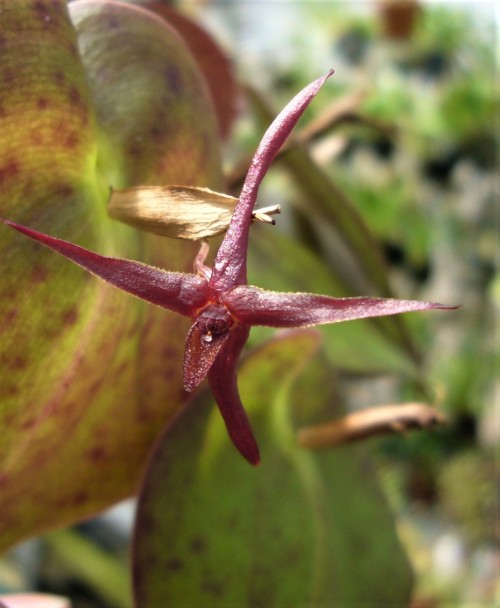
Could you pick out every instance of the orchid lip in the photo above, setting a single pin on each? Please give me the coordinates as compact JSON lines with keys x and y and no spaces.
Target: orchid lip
{"x":214,"y":320}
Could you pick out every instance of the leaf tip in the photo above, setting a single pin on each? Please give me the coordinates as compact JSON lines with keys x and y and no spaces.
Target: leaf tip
{"x":254,"y":459}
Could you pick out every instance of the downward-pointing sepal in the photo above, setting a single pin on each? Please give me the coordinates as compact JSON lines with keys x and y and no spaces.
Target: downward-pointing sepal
{"x":222,"y":380}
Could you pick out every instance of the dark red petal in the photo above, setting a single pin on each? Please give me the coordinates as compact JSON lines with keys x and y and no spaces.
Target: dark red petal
{"x":230,"y":263}
{"x":253,"y":306}
{"x":180,"y":292}
{"x":199,"y":356}
{"x":222,"y":380}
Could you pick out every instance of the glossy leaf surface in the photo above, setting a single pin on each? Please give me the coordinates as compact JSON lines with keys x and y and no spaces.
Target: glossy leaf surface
{"x":88,"y":375}
{"x":304,"y":528}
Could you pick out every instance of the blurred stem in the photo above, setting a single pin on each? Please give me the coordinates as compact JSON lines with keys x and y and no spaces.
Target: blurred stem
{"x":370,"y":422}
{"x":303,"y":227}
{"x":100,"y":570}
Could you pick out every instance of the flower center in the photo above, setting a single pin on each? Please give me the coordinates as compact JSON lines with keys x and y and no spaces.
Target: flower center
{"x":214,"y":320}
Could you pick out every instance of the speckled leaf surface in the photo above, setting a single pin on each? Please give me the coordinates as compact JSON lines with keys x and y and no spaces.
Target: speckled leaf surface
{"x":106,"y":96}
{"x":302,"y":529}
{"x":214,"y":64}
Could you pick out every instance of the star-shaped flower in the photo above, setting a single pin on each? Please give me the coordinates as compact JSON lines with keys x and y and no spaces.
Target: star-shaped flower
{"x":221,"y":304}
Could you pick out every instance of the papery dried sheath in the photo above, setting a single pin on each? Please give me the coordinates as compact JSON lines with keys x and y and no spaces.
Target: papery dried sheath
{"x":180,"y":212}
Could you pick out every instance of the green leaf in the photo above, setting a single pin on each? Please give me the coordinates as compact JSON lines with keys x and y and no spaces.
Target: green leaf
{"x":304,"y":528}
{"x":155,"y":120}
{"x":88,"y":375}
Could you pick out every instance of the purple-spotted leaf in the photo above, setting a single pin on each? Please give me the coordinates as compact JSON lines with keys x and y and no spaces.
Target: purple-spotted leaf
{"x":305,"y":528}
{"x":214,"y":64}
{"x":107,"y":95}
{"x":143,"y":121}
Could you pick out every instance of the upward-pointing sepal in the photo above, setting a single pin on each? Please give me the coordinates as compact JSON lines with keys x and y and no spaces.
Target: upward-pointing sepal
{"x":230,"y":266}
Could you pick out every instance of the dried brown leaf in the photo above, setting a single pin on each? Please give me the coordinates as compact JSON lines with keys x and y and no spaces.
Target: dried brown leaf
{"x":181,"y":212}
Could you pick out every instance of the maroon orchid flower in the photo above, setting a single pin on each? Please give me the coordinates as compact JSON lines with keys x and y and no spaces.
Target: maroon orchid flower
{"x":219,"y":300}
